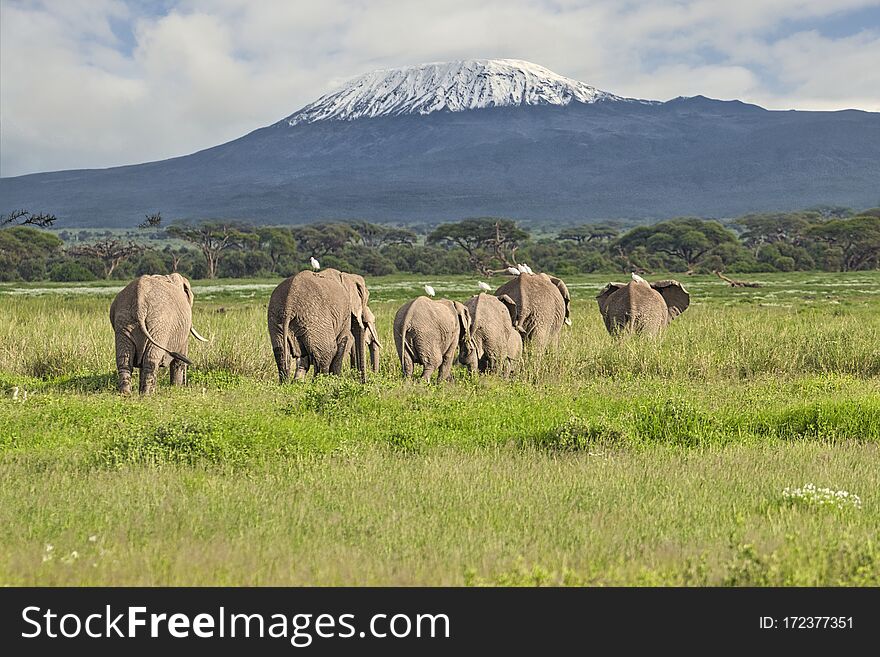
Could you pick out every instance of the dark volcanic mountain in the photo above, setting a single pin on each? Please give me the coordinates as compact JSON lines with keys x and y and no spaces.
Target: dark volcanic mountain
{"x":489,"y":137}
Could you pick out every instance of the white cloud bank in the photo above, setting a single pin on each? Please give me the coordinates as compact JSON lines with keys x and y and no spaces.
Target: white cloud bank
{"x":74,"y":93}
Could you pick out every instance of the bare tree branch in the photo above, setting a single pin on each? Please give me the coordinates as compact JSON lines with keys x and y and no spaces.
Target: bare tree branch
{"x":23,"y":217}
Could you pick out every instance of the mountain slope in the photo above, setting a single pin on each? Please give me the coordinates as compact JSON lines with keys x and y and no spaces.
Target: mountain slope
{"x":568,"y":155}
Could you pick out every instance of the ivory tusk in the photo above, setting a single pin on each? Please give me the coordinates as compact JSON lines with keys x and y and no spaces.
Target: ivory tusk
{"x":196,"y":334}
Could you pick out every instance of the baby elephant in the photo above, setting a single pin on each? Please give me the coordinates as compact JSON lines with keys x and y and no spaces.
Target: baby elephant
{"x":152,"y":321}
{"x":497,"y":341}
{"x":427,"y":331}
{"x":640,"y":306}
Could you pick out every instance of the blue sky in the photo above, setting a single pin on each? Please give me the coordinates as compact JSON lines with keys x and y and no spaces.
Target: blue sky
{"x":94,"y":83}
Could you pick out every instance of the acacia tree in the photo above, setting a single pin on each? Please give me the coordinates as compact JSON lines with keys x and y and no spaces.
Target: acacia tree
{"x":151,"y":221}
{"x":689,"y":239}
{"x":213,"y":238}
{"x":377,"y":236}
{"x":602,"y":232}
{"x":858,"y":238}
{"x":323,"y":239}
{"x":110,"y":252}
{"x":486,"y":240}
{"x":788,"y":227}
{"x":276,"y":242}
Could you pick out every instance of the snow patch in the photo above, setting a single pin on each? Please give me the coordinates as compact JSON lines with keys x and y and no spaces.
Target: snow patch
{"x":449,"y":87}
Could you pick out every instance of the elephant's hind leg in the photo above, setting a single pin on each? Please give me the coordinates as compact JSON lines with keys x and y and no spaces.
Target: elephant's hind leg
{"x":302,"y":368}
{"x":445,"y":372}
{"x":124,"y":363}
{"x":406,"y":366}
{"x":149,"y":370}
{"x":323,"y":358}
{"x":178,"y":373}
{"x":427,"y":372}
{"x":342,"y":349}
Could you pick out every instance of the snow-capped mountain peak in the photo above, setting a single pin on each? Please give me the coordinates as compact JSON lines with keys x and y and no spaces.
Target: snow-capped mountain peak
{"x":448,"y":87}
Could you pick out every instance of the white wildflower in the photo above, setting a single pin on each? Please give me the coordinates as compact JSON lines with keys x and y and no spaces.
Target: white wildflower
{"x":811,"y":495}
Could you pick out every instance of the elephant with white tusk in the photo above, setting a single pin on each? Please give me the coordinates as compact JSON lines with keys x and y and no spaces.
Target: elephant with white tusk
{"x":314,"y":319}
{"x":544,"y":305}
{"x":152,"y":322}
{"x":427,"y":332}
{"x":493,"y":328}
{"x":640,"y":306}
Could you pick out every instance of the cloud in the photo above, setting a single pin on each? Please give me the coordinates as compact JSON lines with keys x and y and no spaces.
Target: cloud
{"x":90,"y":83}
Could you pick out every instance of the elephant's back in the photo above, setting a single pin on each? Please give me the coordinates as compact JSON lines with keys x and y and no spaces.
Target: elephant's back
{"x":400,"y":317}
{"x":541,"y":307}
{"x":639,"y":306}
{"x":424,"y":322}
{"x":167,"y":313}
{"x":490,"y":320}
{"x":124,"y":303}
{"x":649,"y":308}
{"x":317,"y":304}
{"x":307,"y":289}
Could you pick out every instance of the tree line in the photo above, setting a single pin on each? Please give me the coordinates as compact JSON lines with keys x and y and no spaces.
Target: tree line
{"x":828,"y":239}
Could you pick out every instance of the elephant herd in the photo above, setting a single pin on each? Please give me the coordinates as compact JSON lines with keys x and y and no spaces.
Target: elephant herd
{"x":319,"y":318}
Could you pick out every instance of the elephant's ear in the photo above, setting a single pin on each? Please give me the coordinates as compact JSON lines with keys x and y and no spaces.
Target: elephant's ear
{"x":187,"y":288}
{"x":605,"y":294}
{"x":563,"y":290}
{"x":359,"y":299}
{"x":464,"y":319}
{"x":512,"y":308}
{"x":676,"y":297}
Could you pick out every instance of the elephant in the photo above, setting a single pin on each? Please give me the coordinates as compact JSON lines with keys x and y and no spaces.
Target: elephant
{"x":312,"y":318}
{"x":371,"y":338}
{"x":427,"y":331}
{"x":544,"y":305}
{"x":152,"y":321}
{"x":497,"y":342}
{"x":640,"y":306}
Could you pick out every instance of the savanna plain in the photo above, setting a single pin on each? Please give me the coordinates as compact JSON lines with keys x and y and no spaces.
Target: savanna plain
{"x":605,"y":462}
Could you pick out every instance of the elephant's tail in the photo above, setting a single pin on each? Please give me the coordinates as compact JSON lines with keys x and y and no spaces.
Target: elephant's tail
{"x":406,"y":358}
{"x":279,"y":336}
{"x":404,"y":350}
{"x":176,"y":354}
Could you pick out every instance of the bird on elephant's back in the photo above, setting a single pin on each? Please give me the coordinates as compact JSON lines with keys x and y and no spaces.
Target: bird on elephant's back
{"x":544,"y":305}
{"x":640,"y":306}
{"x":152,"y":321}
{"x":314,"y":319}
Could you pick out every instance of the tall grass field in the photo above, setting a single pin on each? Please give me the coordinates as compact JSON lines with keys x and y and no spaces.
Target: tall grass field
{"x":700,"y":458}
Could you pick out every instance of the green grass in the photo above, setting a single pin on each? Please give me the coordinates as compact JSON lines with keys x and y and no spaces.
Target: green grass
{"x":605,"y":462}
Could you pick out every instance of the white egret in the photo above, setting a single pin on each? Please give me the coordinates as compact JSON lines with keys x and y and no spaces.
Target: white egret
{"x":15,"y":393}
{"x":484,"y":286}
{"x":522,"y":268}
{"x":513,"y":271}
{"x":315,"y":264}
{"x":430,"y":291}
{"x":528,"y":269}
{"x":639,"y":279}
